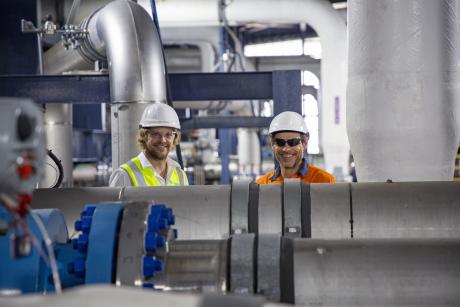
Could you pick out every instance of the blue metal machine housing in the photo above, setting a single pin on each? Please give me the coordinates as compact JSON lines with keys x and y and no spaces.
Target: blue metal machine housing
{"x":89,"y":258}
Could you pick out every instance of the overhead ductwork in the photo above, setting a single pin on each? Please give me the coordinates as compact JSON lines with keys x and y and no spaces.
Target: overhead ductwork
{"x":403,"y":86}
{"x":123,"y":34}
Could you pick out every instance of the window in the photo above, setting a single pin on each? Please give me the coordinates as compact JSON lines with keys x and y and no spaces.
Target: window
{"x":309,"y":46}
{"x":310,"y":111}
{"x":283,"y":48}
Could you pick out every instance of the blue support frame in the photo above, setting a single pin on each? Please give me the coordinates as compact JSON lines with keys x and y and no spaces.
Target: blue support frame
{"x":283,"y":87}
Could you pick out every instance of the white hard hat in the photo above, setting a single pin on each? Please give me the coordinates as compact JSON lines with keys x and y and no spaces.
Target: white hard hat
{"x":159,"y":115}
{"x":288,"y":121}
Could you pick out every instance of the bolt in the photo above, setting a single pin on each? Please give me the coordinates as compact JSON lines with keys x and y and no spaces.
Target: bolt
{"x":89,"y":211}
{"x":150,"y":266}
{"x":80,"y":267}
{"x":82,"y":243}
{"x":86,"y":223}
{"x":148,"y":285}
{"x":77,"y":225}
{"x":150,"y":242}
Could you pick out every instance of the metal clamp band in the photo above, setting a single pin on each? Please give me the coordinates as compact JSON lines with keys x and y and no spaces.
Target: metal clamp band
{"x":292,"y":200}
{"x":268,"y":266}
{"x":213,"y":300}
{"x":253,"y":210}
{"x":239,"y":206}
{"x":305,"y":210}
{"x":242,"y":263}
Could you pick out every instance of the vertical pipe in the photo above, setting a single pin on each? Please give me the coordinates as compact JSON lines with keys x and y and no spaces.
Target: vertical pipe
{"x":58,"y":131}
{"x":127,"y":35}
{"x":403,"y":83}
{"x":248,"y":152}
{"x":124,"y":33}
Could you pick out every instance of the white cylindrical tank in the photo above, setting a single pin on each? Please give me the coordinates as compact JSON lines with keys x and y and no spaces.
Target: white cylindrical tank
{"x":402,"y":85}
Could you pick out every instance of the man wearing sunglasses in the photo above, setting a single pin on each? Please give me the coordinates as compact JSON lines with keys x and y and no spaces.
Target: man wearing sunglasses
{"x":289,"y":139}
{"x":159,"y":132}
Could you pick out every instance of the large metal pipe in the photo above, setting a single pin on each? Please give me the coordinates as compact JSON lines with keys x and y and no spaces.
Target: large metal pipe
{"x":126,"y":34}
{"x":123,"y":33}
{"x":194,"y":266}
{"x":403,"y":76}
{"x":376,"y":272}
{"x":323,"y":211}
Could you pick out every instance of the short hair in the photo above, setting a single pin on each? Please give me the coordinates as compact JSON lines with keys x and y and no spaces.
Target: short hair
{"x":142,"y":136}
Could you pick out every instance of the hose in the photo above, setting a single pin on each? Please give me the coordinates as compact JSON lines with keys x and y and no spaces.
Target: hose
{"x":60,"y":168}
{"x":168,"y":84}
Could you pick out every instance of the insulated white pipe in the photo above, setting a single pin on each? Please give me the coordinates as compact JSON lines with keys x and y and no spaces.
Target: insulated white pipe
{"x":123,"y":33}
{"x":320,"y":15}
{"x":248,"y":152}
{"x":403,"y":84}
{"x":126,"y":34}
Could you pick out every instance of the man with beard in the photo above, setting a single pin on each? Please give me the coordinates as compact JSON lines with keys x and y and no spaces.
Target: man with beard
{"x":289,"y":139}
{"x":159,"y":132}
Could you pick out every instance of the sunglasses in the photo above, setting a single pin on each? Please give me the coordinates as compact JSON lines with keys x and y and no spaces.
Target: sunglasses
{"x":290,"y":142}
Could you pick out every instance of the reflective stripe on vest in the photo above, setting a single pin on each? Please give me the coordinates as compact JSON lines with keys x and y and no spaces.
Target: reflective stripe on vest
{"x":178,"y":176}
{"x":145,"y":177}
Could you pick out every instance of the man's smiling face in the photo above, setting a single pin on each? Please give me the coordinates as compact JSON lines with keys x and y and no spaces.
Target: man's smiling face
{"x":289,"y":157}
{"x":160,"y":142}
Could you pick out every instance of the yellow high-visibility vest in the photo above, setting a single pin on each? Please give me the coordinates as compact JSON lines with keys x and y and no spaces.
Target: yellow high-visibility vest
{"x":145,"y":177}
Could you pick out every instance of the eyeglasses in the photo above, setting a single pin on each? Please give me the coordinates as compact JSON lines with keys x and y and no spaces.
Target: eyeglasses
{"x":290,"y":142}
{"x":158,"y":136}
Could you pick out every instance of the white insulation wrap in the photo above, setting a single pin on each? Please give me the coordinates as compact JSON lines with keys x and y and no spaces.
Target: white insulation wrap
{"x":127,"y":35}
{"x":248,"y":152}
{"x":318,"y":14}
{"x":402,"y":88}
{"x":124,"y":34}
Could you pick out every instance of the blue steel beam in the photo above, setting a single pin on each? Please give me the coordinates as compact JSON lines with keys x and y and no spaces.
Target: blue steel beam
{"x":57,"y":89}
{"x":222,"y":86}
{"x":287,"y":91}
{"x":282,"y":86}
{"x":200,"y":86}
{"x":225,"y":122}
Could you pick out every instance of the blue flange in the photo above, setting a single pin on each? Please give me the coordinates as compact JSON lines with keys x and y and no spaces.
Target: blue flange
{"x":97,"y":243}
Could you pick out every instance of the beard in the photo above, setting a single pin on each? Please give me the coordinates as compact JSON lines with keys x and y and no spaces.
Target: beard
{"x":158,"y":154}
{"x":291,"y":163}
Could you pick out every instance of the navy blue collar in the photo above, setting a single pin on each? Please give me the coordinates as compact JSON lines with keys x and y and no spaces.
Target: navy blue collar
{"x":302,"y":170}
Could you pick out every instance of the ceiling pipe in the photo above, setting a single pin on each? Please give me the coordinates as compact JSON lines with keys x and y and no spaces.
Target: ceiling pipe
{"x":320,"y":15}
{"x":123,"y":33}
{"x":404,"y":82}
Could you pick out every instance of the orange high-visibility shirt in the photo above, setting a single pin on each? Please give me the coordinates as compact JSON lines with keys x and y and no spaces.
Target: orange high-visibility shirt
{"x":307,"y":174}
